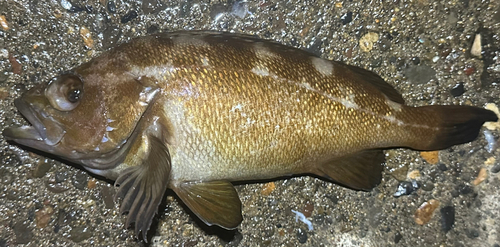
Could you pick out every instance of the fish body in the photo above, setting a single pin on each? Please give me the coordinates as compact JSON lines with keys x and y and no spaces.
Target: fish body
{"x":194,"y":111}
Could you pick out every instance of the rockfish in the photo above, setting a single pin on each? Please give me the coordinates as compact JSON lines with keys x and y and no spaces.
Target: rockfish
{"x":194,"y":111}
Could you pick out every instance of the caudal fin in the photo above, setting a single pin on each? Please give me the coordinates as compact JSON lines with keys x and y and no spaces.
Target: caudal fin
{"x":455,"y":125}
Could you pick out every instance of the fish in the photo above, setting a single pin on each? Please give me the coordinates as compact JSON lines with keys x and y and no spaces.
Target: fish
{"x":195,"y":111}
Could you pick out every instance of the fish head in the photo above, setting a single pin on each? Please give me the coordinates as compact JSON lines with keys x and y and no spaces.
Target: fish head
{"x":85,"y":116}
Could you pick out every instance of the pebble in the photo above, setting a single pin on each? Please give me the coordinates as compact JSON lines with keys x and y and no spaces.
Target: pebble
{"x":472,"y":233}
{"x":483,"y":174}
{"x":420,"y":74}
{"x":425,"y":211}
{"x":152,"y":6}
{"x":92,"y":183}
{"x":80,"y":180}
{"x":111,"y":35}
{"x":239,"y":9}
{"x":60,"y":177}
{"x":6,"y":178}
{"x":428,"y":186}
{"x":406,"y":188}
{"x":397,"y":237}
{"x":22,"y":232}
{"x":492,"y":125}
{"x":464,"y":189}
{"x":475,"y":50}
{"x":458,"y":90}
{"x":3,"y":23}
{"x":308,"y":209}
{"x":414,"y":174}
{"x":129,"y":16}
{"x":447,"y":218}
{"x":17,"y":68}
{"x":108,"y":195}
{"x":111,"y":7}
{"x":442,"y":167}
{"x":495,"y":169}
{"x":366,"y":42}
{"x":346,"y":18}
{"x":267,"y":188}
{"x":70,"y":7}
{"x":302,"y":236}
{"x":43,"y":216}
{"x":42,"y":168}
{"x":80,"y":233}
{"x":87,"y":37}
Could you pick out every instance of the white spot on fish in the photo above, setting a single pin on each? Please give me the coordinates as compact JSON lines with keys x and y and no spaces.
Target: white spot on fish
{"x":109,"y":128}
{"x":260,"y":71}
{"x":205,"y":61}
{"x":236,"y":107}
{"x":104,"y":139}
{"x":393,"y":105}
{"x":323,"y":66}
{"x":349,"y":103}
{"x":262,"y":52}
{"x":189,"y":40}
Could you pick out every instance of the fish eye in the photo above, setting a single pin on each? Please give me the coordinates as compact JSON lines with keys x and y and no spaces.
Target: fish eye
{"x":65,"y":92}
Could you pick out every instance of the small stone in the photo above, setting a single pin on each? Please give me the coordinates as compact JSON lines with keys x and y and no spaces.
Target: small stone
{"x":493,"y":125}
{"x":406,"y":188}
{"x":415,"y":60}
{"x":447,"y":218}
{"x":397,"y":237}
{"x":414,"y":174}
{"x":17,"y":68}
{"x":60,"y":177}
{"x":442,"y":167}
{"x":490,"y":161}
{"x":458,"y":90}
{"x":366,"y":42}
{"x":43,"y":216}
{"x":267,"y":188}
{"x":152,"y":6}
{"x":308,"y":209}
{"x":469,"y":70}
{"x":80,"y":180}
{"x":87,"y":37}
{"x":3,"y":23}
{"x":495,"y":169}
{"x":42,"y":168}
{"x":346,"y":18}
{"x":80,"y":233}
{"x":91,"y":184}
{"x":464,"y":189}
{"x":420,"y":74}
{"x":302,"y":236}
{"x":108,"y":195}
{"x":23,"y":233}
{"x":111,"y":7}
{"x":483,"y":174}
{"x":111,"y":35}
{"x":425,"y":211}
{"x":475,"y":50}
{"x":129,"y":16}
{"x":432,"y":157}
{"x":472,"y":233}
{"x":428,"y":186}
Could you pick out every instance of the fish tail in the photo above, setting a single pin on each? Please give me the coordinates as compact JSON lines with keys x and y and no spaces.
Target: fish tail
{"x":451,"y":125}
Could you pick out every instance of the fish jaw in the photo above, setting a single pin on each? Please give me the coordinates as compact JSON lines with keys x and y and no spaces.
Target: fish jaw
{"x":43,"y":134}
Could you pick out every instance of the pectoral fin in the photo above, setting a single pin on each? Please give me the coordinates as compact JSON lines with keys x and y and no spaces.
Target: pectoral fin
{"x":143,"y":185}
{"x":362,"y":170}
{"x":216,"y":202}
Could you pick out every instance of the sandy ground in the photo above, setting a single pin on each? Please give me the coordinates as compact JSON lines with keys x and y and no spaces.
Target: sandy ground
{"x":422,"y":47}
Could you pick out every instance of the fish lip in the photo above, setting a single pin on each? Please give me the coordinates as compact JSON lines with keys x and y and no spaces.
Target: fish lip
{"x":29,"y":113}
{"x":36,"y":134}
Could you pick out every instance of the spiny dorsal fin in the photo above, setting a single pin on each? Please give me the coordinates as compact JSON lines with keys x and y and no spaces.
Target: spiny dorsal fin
{"x":215,"y":202}
{"x":143,"y":185}
{"x":377,"y":81}
{"x":361,"y":171}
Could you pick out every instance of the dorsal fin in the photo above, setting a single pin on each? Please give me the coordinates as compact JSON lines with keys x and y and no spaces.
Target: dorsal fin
{"x":377,"y":81}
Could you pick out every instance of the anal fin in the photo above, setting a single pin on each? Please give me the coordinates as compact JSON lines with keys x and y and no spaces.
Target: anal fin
{"x":215,"y":202}
{"x":143,"y":185}
{"x":361,"y":171}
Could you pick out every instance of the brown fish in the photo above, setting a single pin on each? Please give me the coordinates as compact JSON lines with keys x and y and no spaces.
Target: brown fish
{"x":195,"y":111}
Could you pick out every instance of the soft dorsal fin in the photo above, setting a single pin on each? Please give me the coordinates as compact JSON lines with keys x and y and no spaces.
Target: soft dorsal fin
{"x":361,"y":171}
{"x":214,"y":202}
{"x":143,"y":185}
{"x":377,"y":81}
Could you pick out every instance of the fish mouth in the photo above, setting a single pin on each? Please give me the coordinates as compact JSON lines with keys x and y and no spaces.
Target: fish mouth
{"x":43,"y":134}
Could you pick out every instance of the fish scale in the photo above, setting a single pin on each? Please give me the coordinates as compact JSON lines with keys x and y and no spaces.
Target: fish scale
{"x":193,"y":111}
